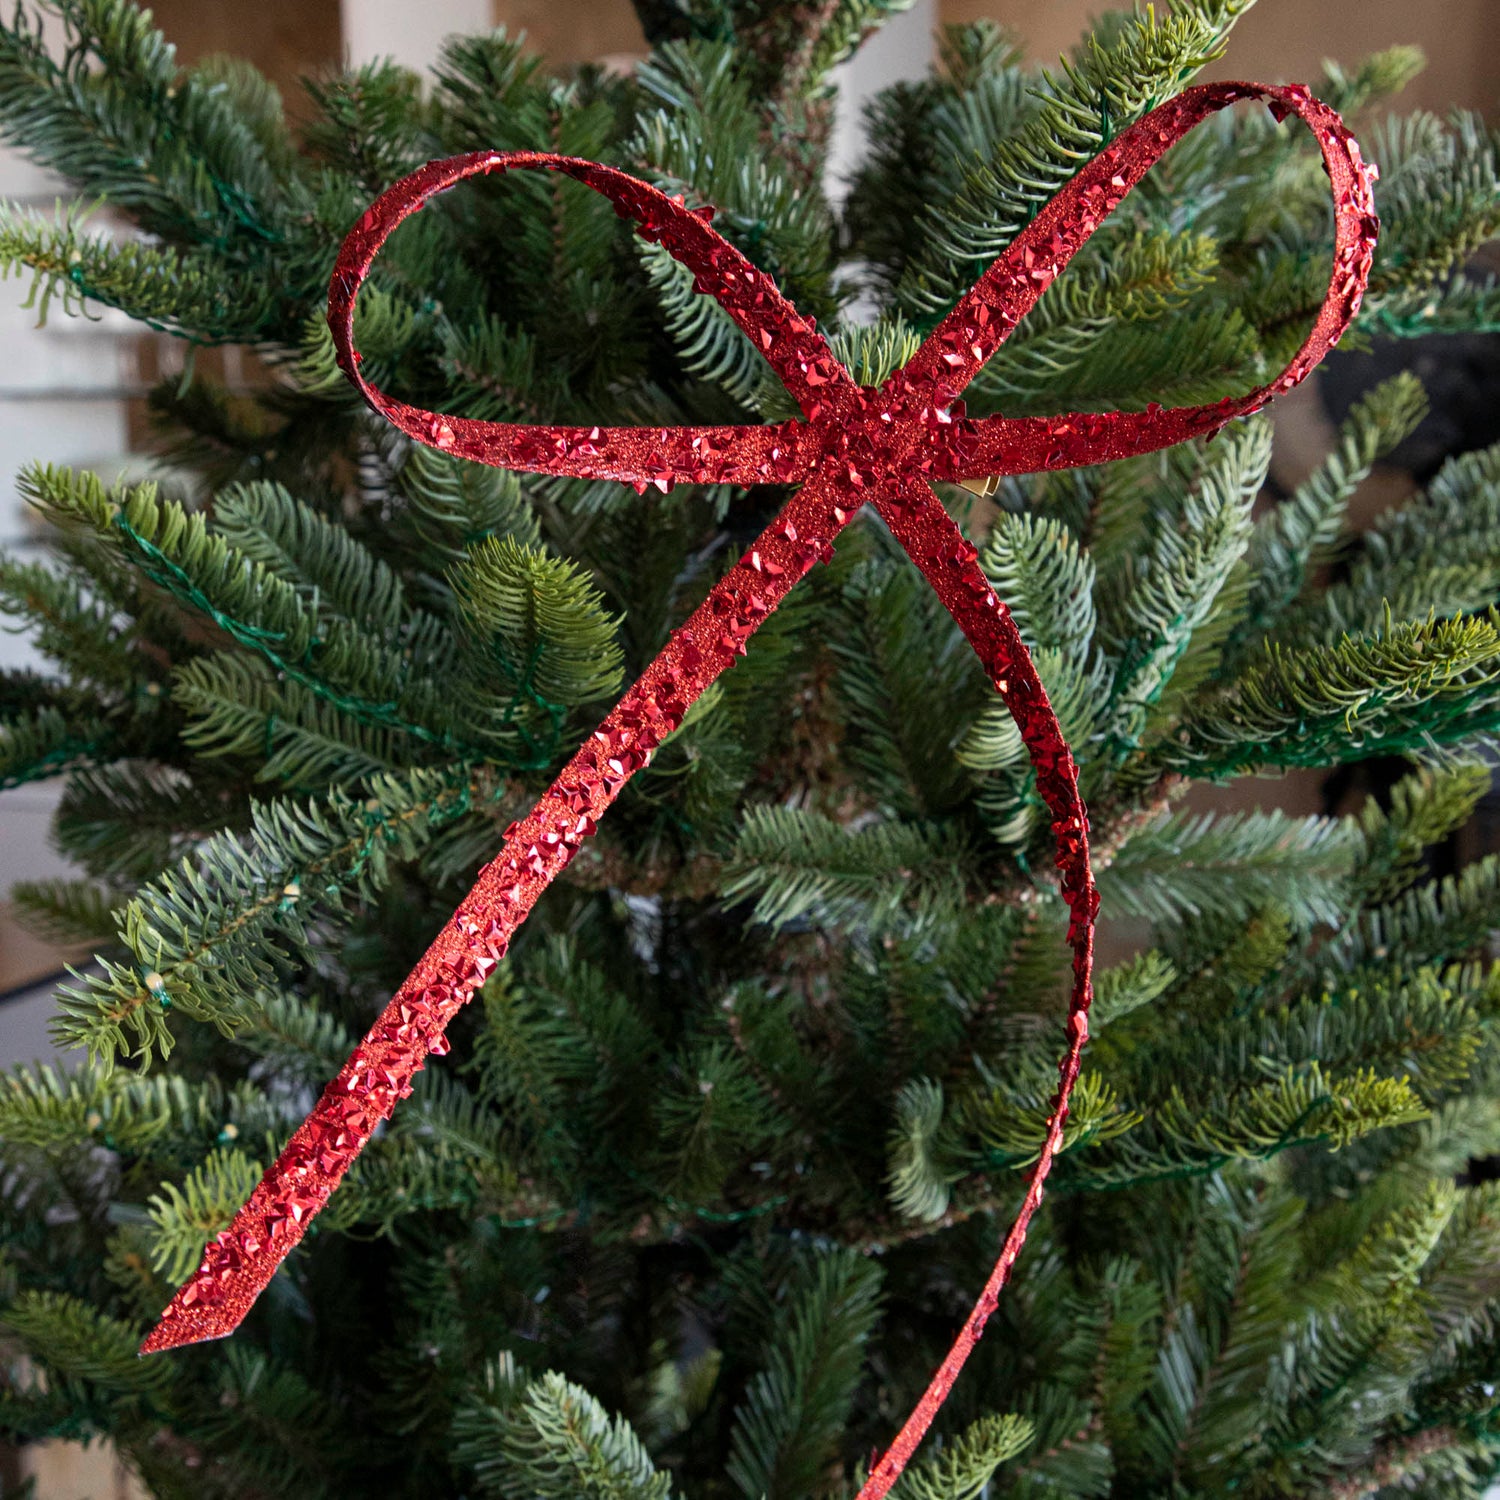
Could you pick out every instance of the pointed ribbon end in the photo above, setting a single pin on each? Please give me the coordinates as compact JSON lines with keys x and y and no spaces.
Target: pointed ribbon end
{"x":176,"y":1330}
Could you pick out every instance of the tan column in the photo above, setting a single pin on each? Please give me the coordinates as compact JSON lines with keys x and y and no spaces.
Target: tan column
{"x":571,"y":31}
{"x":285,"y":39}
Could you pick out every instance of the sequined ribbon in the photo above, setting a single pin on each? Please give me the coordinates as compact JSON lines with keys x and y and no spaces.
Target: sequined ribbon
{"x":856,"y":444}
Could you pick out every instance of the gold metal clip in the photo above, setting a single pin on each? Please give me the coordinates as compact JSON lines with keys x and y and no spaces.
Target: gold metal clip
{"x":984,"y":486}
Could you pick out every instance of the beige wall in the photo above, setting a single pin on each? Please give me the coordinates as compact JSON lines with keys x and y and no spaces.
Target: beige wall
{"x":285,"y":39}
{"x":1280,"y":40}
{"x":1286,"y":40}
{"x":568,"y":31}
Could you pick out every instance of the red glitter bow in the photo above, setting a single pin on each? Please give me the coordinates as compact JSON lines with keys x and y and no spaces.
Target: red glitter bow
{"x":857,"y":444}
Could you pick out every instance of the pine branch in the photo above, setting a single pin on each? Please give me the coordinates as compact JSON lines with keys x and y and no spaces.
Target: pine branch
{"x":1427,"y":806}
{"x":192,"y":294}
{"x":1409,"y":686}
{"x":132,"y":819}
{"x":1433,"y":922}
{"x":1440,"y":552}
{"x":1175,"y":589}
{"x":186,"y":1215}
{"x":82,"y":635}
{"x":1008,"y":799}
{"x":1045,"y":578}
{"x":1198,"y":1131}
{"x":1010,"y":1121}
{"x":198,"y":158}
{"x":1085,"y":318}
{"x":210,"y":937}
{"x":257,"y":610}
{"x":42,"y":744}
{"x":66,"y":911}
{"x":787,"y":1425}
{"x":805,"y":867}
{"x":1297,"y":537}
{"x":81,"y":1346}
{"x":705,"y":138}
{"x":963,"y":1469}
{"x":1438,"y":197}
{"x":330,"y":571}
{"x":919,"y":1186}
{"x":236,"y":707}
{"x":715,"y":1115}
{"x":298,"y":1039}
{"x":450,"y":504}
{"x":1079,"y":110}
{"x":1396,"y":1460}
{"x":283,"y":1429}
{"x":546,"y":1439}
{"x":1465,"y":304}
{"x":540,"y":619}
{"x":1379,"y":76}
{"x":1184,"y":866}
{"x":906,"y":686}
{"x":1124,"y":988}
{"x":57,"y":1111}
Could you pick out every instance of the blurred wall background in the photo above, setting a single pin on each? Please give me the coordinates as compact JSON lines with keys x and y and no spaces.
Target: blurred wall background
{"x":1278,"y":40}
{"x":1286,"y":40}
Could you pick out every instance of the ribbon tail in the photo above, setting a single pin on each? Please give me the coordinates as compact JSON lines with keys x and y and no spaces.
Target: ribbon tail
{"x":949,"y":563}
{"x":239,"y":1263}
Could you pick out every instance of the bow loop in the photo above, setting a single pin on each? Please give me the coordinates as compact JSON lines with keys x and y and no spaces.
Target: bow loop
{"x":980,"y":322}
{"x":661,"y":456}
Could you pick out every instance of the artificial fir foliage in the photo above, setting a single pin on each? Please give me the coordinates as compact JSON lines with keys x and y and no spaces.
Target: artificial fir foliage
{"x":722,"y":1152}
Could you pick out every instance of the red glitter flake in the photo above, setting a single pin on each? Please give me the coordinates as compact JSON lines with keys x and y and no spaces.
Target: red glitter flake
{"x":884,"y":444}
{"x":198,"y":1292}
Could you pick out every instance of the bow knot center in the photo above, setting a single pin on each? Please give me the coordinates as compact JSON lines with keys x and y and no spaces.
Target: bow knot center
{"x":864,"y":436}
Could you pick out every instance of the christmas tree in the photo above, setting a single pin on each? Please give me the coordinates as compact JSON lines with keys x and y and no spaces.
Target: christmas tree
{"x":725,"y":1147}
